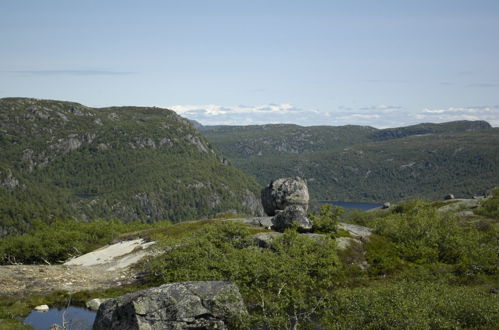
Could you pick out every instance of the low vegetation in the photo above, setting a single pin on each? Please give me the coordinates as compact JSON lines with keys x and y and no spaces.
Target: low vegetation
{"x":427,"y":270}
{"x":490,"y":208}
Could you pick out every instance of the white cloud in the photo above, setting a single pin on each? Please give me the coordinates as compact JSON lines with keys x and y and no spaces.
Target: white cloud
{"x":212,"y":114}
{"x":487,"y":113}
{"x":380,"y":116}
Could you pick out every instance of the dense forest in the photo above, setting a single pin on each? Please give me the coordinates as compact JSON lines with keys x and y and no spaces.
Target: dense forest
{"x":64,"y":160}
{"x":361,"y":163}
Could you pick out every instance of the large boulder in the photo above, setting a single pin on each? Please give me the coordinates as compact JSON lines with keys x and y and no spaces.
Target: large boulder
{"x":284,"y":192}
{"x":293,"y":215}
{"x":183,"y":305}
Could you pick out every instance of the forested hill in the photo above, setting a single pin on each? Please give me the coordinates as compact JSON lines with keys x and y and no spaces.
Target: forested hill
{"x":362,"y":163}
{"x":61,"y":159}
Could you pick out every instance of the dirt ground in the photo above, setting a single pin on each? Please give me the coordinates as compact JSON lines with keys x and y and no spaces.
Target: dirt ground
{"x":19,"y":279}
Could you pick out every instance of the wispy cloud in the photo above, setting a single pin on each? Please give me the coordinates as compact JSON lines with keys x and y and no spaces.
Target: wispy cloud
{"x":487,"y":113}
{"x":69,"y":72}
{"x":380,"y":116}
{"x":212,"y":114}
{"x":283,"y":113}
{"x":483,"y":85}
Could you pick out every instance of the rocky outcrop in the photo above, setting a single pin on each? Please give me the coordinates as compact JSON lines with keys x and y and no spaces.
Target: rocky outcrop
{"x":287,"y":200}
{"x":7,"y":180}
{"x":293,"y":215}
{"x":42,"y":308}
{"x":284,"y":192}
{"x":183,"y":305}
{"x":94,"y":304}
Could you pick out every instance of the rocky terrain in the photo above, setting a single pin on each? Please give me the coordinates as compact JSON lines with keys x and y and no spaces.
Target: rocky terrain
{"x":106,"y":267}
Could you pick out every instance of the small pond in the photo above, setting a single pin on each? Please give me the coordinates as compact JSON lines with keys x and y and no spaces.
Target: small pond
{"x":353,"y":205}
{"x":75,"y":317}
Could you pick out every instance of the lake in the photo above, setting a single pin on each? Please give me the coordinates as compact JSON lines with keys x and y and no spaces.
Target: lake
{"x":353,"y":205}
{"x":76,"y":318}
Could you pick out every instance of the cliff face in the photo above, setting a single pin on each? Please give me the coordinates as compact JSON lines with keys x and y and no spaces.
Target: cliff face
{"x":62,"y":159}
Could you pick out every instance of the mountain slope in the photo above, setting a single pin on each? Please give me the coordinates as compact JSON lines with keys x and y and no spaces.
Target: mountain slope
{"x":62,"y":159}
{"x":358,"y":163}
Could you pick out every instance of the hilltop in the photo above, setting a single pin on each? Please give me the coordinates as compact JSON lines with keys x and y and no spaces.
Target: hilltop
{"x":362,"y":163}
{"x":66,"y":160}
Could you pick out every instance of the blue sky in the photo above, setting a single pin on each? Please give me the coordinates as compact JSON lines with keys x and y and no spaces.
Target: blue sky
{"x":378,"y":63}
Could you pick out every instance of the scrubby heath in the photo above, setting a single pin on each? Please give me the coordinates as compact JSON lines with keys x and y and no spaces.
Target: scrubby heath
{"x":428,"y":269}
{"x":64,"y":160}
{"x":365,"y":164}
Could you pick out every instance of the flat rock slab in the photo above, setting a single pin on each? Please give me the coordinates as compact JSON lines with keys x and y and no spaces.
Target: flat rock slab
{"x":455,"y":205}
{"x":356,"y":231}
{"x":106,"y":267}
{"x":265,"y":222}
{"x":120,"y":255}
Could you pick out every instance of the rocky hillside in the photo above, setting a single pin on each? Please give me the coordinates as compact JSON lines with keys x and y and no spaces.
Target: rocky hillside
{"x":61,"y":159}
{"x":359,"y":163}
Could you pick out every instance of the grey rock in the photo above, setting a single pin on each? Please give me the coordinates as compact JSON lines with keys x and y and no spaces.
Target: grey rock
{"x":356,"y":231}
{"x":284,"y":192}
{"x":183,"y":305}
{"x":465,"y":213}
{"x":67,"y":145}
{"x":8,"y":181}
{"x":197,"y":142}
{"x":265,"y":222}
{"x":386,"y":205}
{"x":94,"y":304}
{"x":251,"y":202}
{"x":344,"y":243}
{"x":457,"y":205}
{"x":56,"y":327}
{"x":264,"y":240}
{"x":42,"y":308}
{"x":449,"y":196}
{"x":294,"y":215}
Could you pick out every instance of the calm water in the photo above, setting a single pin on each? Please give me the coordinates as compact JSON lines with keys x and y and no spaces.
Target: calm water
{"x":76,"y":318}
{"x":353,"y":205}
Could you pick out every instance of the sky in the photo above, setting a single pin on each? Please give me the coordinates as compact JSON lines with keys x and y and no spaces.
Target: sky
{"x":361,"y":62}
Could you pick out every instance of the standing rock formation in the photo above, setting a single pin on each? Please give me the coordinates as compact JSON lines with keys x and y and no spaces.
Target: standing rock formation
{"x":287,"y":200}
{"x":284,"y":192}
{"x":183,"y":305}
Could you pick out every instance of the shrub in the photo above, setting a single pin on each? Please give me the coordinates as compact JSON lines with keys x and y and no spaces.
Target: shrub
{"x":283,"y":286}
{"x":412,"y":305}
{"x":418,"y":235}
{"x":56,"y":242}
{"x":327,"y":220}
{"x":489,"y":208}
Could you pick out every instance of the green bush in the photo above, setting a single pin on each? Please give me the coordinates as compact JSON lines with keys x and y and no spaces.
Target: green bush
{"x":327,"y":220}
{"x":416,"y":235}
{"x":412,"y":305}
{"x":56,"y":242}
{"x":489,"y":208}
{"x":283,"y":286}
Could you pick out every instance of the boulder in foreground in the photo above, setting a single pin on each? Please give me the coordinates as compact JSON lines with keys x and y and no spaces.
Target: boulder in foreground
{"x":182,"y":305}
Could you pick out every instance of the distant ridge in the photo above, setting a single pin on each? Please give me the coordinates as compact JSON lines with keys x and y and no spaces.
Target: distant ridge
{"x":362,"y":163}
